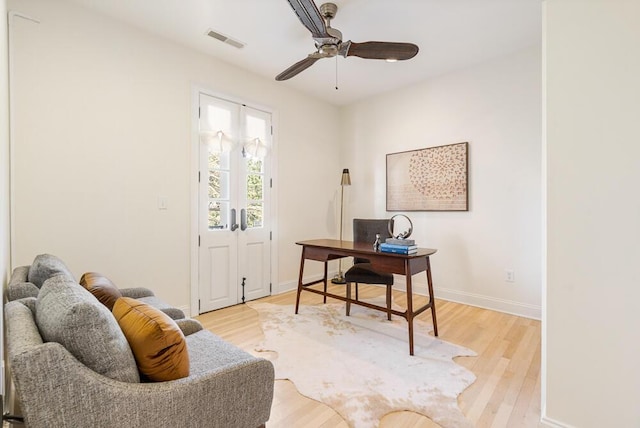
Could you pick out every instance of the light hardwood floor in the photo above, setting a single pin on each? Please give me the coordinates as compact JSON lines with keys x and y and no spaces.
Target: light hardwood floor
{"x":505,"y":394}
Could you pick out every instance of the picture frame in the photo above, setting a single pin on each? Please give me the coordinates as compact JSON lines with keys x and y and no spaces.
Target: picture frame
{"x":429,"y":179}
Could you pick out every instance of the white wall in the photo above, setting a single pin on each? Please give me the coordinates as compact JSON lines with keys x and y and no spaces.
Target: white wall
{"x":5,"y":260}
{"x":4,"y":148}
{"x":591,"y":372}
{"x":496,"y":107}
{"x":103,"y":121}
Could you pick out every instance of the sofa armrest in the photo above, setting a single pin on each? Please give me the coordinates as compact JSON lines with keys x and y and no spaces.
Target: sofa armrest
{"x":19,"y":274}
{"x":136,"y":292}
{"x":174,"y":313}
{"x":21,"y":327}
{"x":20,"y":290}
{"x":49,"y":381}
{"x":189,"y":326}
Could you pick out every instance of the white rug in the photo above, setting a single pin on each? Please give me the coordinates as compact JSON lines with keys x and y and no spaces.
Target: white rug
{"x":360,"y":365}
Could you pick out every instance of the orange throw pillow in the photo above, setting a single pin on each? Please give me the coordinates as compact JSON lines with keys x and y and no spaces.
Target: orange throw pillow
{"x":101,"y":287}
{"x":156,"y":341}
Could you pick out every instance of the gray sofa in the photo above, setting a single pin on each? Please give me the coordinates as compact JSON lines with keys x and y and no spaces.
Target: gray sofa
{"x":72,"y":367}
{"x":26,"y":281}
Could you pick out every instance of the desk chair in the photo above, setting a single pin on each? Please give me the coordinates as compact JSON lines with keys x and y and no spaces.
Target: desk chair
{"x":365,"y":230}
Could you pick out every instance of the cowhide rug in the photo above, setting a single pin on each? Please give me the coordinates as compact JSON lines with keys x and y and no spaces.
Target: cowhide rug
{"x":360,"y":365}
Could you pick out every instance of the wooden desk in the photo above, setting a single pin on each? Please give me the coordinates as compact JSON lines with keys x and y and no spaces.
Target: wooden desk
{"x":324,"y":250}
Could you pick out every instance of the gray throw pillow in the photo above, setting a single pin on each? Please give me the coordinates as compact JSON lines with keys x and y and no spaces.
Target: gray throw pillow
{"x":44,"y":266}
{"x":68,"y":314}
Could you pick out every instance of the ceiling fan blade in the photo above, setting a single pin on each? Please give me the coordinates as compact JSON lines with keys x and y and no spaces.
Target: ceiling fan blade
{"x":310,"y":17}
{"x":381,"y":50}
{"x":297,"y":68}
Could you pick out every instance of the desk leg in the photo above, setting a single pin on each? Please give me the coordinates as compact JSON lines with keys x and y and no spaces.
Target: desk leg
{"x":348,"y":294}
{"x":325,"y":283}
{"x":409,"y":305}
{"x":432,"y":300}
{"x":300,"y":280}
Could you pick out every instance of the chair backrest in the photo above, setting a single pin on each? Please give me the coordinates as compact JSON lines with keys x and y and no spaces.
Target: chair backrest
{"x":365,"y":230}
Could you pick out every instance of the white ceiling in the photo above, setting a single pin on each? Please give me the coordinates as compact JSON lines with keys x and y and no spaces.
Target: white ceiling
{"x":451,"y":34}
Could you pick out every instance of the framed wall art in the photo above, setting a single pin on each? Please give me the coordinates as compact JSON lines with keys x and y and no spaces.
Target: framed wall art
{"x":431,"y":179}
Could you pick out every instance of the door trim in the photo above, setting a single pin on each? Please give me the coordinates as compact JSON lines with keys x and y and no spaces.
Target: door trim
{"x":194,"y":157}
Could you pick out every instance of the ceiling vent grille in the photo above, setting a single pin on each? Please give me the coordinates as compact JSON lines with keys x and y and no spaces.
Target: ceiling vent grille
{"x":225,"y":39}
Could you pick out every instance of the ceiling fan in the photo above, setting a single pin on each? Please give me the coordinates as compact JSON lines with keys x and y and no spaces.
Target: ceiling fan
{"x":329,"y":42}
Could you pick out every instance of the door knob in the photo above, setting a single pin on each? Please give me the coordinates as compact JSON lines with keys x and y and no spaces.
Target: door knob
{"x":234,"y":225}
{"x":243,"y":219}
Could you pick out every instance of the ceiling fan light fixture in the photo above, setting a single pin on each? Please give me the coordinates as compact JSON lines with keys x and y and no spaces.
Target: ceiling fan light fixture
{"x":328,"y":51}
{"x":391,"y":60}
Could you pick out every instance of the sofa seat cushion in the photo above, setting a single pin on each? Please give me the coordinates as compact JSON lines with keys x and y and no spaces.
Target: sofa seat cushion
{"x":101,"y":287}
{"x":68,"y":314}
{"x":45,"y":266}
{"x":158,"y":344}
{"x":209,"y":352}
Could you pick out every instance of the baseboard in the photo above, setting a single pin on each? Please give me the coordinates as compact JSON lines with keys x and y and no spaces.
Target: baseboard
{"x":457,"y":296}
{"x":186,"y":309}
{"x":284,"y":287}
{"x":487,"y":302}
{"x":477,"y":300}
{"x":552,"y":423}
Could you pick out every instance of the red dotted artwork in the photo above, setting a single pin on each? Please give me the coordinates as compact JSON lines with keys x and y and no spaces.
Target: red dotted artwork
{"x":432,"y":179}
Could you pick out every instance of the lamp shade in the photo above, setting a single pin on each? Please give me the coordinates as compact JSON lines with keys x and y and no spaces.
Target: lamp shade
{"x":346,"y":178}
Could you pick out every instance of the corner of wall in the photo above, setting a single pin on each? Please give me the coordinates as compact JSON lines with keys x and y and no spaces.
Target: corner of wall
{"x":5,"y":257}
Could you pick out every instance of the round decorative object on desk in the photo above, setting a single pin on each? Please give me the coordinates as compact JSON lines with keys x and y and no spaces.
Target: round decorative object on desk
{"x":406,"y":232}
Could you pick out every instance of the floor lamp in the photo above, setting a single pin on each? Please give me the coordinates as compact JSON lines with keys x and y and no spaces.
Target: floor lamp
{"x":346,"y":181}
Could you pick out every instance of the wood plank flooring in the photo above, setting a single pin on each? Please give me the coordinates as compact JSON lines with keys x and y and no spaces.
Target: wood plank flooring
{"x":505,"y":394}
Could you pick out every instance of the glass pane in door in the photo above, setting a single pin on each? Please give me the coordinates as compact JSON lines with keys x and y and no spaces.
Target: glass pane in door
{"x":218,"y":215}
{"x":255,"y":214}
{"x":257,"y":129}
{"x":218,"y":171}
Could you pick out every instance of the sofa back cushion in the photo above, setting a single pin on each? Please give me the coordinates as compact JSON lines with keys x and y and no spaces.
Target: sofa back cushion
{"x":45,"y":266}
{"x":101,"y":287}
{"x":68,"y":314}
{"x":157,"y":342}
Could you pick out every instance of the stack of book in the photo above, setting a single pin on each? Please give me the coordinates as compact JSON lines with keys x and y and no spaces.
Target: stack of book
{"x":399,"y":246}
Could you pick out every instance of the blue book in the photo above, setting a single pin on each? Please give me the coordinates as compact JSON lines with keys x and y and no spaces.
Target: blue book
{"x":398,"y":251}
{"x":399,"y":247}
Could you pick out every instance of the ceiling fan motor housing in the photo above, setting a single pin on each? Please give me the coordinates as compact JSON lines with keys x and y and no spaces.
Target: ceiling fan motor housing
{"x":328,"y":51}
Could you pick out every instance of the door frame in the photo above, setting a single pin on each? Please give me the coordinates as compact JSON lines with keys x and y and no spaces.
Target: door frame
{"x":194,"y":169}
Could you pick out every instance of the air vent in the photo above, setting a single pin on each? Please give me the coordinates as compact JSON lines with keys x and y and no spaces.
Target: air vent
{"x":225,"y":39}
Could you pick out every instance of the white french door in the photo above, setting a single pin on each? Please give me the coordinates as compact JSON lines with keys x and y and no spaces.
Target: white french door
{"x":234,"y":203}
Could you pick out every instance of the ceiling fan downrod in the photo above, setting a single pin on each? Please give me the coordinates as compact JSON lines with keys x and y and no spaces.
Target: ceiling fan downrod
{"x":328,"y":11}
